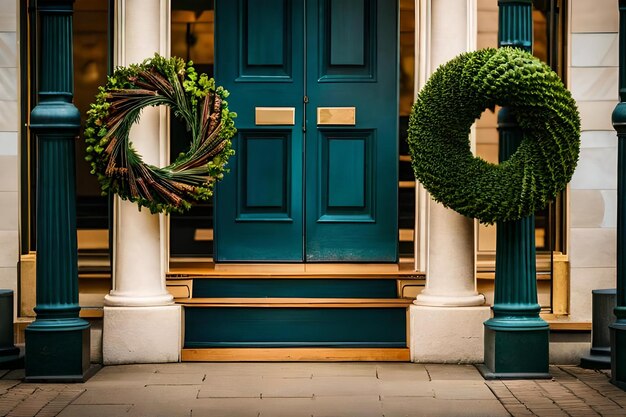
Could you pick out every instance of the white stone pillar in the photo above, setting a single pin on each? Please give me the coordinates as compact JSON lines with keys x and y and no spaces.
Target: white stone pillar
{"x":141,"y":322}
{"x":447,"y":317}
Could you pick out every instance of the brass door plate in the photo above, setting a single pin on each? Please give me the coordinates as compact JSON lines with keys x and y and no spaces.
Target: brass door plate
{"x":336,"y":116}
{"x":284,"y":116}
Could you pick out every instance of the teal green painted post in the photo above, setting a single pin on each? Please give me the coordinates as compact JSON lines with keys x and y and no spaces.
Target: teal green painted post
{"x":618,"y":328}
{"x":516,"y":338}
{"x":57,"y":342}
{"x":9,"y":353}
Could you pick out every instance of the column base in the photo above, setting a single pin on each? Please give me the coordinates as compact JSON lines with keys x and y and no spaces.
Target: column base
{"x":470,"y":300}
{"x":516,"y":354}
{"x":141,"y":334}
{"x":447,"y":334}
{"x":57,"y":353}
{"x":618,"y":354}
{"x":114,"y":299}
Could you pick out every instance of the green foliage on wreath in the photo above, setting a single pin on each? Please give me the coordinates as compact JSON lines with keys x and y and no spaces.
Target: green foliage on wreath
{"x":192,"y":98}
{"x":451,"y":101}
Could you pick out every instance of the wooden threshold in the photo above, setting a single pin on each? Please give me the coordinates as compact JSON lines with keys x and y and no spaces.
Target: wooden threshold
{"x":296,"y":302}
{"x":91,"y":312}
{"x":296,"y":354}
{"x":208,"y":269}
{"x":572,"y":326}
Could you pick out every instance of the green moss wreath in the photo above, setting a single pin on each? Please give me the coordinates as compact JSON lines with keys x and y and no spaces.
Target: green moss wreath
{"x":455,"y":96}
{"x":192,"y":98}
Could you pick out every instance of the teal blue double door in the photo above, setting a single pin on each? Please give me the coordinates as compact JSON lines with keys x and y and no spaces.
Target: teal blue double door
{"x":315,"y":175}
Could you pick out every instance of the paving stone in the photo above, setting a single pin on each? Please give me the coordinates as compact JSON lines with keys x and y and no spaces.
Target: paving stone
{"x":453,"y":372}
{"x":84,"y":410}
{"x":519,"y":410}
{"x":61,"y":401}
{"x":176,"y":379}
{"x":338,"y":406}
{"x":312,"y":389}
{"x":462,"y":390}
{"x":14,"y":398}
{"x":431,"y":407}
{"x":231,"y":387}
{"x":609,"y":409}
{"x":6,"y":384}
{"x":333,"y":386}
{"x":141,"y":379}
{"x":160,"y":409}
{"x":553,"y":412}
{"x":133,"y":368}
{"x":286,"y":407}
{"x":276,"y":387}
{"x":109,"y":396}
{"x":241,"y":369}
{"x":33,"y":404}
{"x":226,"y":407}
{"x":344,"y":369}
{"x":128,"y":379}
{"x":400,"y":371}
{"x":395,"y":388}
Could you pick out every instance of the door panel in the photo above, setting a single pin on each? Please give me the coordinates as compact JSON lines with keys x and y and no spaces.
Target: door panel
{"x":345,"y":167}
{"x":264,"y":197}
{"x":329,"y":194}
{"x":259,"y":204}
{"x":351,"y":180}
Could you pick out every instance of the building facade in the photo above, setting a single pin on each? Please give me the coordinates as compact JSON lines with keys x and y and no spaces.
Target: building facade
{"x":303,"y":241}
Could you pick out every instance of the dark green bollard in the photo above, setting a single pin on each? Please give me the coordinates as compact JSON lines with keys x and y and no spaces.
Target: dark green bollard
{"x":9,"y":353}
{"x":516,"y":338}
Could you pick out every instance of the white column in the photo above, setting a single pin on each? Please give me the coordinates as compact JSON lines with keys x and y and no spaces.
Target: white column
{"x":450,"y":272}
{"x":141,"y":322}
{"x":446,"y":320}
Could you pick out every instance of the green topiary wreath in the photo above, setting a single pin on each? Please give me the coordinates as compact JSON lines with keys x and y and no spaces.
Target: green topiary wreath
{"x":192,"y":98}
{"x":451,"y":101}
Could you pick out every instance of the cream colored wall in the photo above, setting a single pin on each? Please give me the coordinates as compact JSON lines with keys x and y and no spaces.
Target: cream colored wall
{"x":9,"y":122}
{"x":593,"y":198}
{"x":486,"y":133}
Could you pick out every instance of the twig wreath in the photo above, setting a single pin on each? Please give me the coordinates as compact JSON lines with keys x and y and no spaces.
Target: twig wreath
{"x":193,"y":98}
{"x":451,"y":101}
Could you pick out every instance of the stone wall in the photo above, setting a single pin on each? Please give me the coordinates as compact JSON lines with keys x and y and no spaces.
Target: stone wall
{"x":593,"y":52}
{"x":9,"y":149}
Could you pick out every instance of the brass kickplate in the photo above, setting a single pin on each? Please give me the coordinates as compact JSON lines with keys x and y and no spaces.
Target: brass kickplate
{"x":336,"y":116}
{"x":285,"y":116}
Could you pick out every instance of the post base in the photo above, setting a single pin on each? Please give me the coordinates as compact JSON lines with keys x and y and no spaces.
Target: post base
{"x":11,"y":358}
{"x":618,"y":354}
{"x":59,"y":355}
{"x":489,"y":375}
{"x":516,"y":354}
{"x":598,"y":358}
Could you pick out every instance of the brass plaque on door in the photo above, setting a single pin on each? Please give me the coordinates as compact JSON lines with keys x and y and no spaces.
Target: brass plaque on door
{"x":336,"y":116}
{"x":275,"y":116}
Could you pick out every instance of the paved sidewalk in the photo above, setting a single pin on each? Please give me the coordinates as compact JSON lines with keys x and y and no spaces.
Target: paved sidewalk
{"x":311,"y":389}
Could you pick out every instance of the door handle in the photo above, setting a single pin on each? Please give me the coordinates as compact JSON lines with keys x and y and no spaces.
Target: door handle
{"x":345,"y":116}
{"x":283,"y":116}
